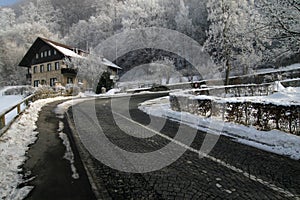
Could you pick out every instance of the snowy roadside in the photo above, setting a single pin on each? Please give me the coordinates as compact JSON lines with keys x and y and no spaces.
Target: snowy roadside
{"x":273,"y":141}
{"x":13,"y":147}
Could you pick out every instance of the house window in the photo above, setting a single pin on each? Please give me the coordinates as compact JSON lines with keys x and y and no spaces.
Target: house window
{"x":49,"y":66}
{"x":45,"y":53}
{"x":35,"y":69}
{"x":69,"y":80}
{"x":52,"y":81}
{"x":56,"y":65}
{"x":36,"y":83}
{"x":36,"y":56}
{"x":42,"y":54}
{"x":42,"y":68}
{"x":49,"y":53}
{"x":54,"y":52}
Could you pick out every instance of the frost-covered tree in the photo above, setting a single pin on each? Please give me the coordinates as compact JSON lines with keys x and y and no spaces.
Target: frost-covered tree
{"x":8,"y":18}
{"x":43,"y":13}
{"x":89,"y":68}
{"x":163,"y":69}
{"x":140,"y":13}
{"x":86,"y":34}
{"x":282,"y":18}
{"x":16,"y":36}
{"x":233,"y":33}
{"x":183,"y":21}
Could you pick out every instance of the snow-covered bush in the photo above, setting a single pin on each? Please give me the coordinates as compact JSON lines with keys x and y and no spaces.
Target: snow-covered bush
{"x":44,"y":91}
{"x":19,"y":90}
{"x":72,"y":89}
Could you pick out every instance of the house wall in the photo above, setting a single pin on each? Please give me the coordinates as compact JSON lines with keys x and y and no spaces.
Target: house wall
{"x":62,"y":79}
{"x":46,"y":75}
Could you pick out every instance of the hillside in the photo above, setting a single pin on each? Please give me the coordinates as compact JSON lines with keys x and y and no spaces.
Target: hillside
{"x":86,"y":23}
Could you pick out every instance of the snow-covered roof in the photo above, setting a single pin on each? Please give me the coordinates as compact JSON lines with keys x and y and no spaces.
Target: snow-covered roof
{"x":65,"y":51}
{"x":110,"y":64}
{"x":61,"y":48}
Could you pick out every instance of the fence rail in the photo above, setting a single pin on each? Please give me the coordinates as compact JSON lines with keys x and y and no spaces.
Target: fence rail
{"x":4,"y":124}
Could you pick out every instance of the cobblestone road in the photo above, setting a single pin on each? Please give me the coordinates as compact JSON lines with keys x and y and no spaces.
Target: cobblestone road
{"x":230,"y":171}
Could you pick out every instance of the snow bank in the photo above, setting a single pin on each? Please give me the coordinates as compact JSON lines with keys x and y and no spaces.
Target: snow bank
{"x":283,"y":96}
{"x":273,"y":141}
{"x":69,"y":155}
{"x":9,"y":101}
{"x":63,"y":107}
{"x":113,"y":91}
{"x":13,"y":147}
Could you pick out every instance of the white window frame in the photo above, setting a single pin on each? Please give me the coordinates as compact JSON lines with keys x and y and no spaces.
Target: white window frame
{"x":49,"y":67}
{"x":35,"y":69}
{"x":36,"y":83}
{"x":42,"y":68}
{"x":52,"y":81}
{"x":56,"y":65}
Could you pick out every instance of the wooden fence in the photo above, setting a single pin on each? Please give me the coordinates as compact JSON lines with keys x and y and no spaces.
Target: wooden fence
{"x":4,"y":124}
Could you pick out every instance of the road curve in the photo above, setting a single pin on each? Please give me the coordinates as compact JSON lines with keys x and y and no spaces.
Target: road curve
{"x":230,"y":171}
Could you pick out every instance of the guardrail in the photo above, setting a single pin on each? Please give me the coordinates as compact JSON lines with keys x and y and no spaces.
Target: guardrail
{"x":4,"y":124}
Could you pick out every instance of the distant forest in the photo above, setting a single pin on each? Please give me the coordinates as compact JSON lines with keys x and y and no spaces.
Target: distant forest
{"x":238,"y":34}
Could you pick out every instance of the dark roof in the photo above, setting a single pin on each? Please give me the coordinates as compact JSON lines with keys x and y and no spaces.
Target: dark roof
{"x":26,"y":61}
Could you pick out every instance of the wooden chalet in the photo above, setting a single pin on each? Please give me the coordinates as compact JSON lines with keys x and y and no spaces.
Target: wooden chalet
{"x":46,"y":66}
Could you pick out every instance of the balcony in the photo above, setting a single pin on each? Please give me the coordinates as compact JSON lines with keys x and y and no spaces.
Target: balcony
{"x":69,"y":71}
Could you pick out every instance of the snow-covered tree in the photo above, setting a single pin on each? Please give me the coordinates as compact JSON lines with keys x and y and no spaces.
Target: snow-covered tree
{"x":16,"y":36}
{"x":140,"y":13}
{"x":43,"y":13}
{"x":282,"y":18}
{"x":86,"y":34}
{"x":183,"y":22}
{"x":233,"y":33}
{"x":89,"y":68}
{"x":163,"y":69}
{"x":8,"y":18}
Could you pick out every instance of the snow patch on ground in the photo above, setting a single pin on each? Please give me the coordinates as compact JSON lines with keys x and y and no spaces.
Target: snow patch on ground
{"x":283,"y":96}
{"x":63,"y":107}
{"x":9,"y":101}
{"x":273,"y":141}
{"x":13,"y":147}
{"x":69,"y":155}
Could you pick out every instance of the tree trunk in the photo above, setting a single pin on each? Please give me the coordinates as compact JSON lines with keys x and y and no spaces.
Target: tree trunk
{"x":227,"y":72}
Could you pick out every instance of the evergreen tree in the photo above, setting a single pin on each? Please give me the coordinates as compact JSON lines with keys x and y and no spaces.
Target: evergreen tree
{"x":104,"y":82}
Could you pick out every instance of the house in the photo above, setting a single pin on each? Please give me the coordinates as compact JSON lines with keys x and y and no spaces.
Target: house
{"x":46,"y":66}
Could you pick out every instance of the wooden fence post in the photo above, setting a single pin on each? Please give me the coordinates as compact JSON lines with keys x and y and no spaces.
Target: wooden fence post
{"x":19,"y":108}
{"x":2,"y":121}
